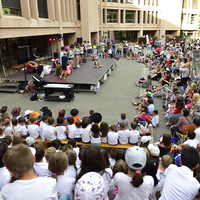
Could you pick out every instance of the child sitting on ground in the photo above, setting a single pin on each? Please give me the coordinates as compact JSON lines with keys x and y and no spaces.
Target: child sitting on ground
{"x":123,"y":133}
{"x":33,"y":129}
{"x":134,"y":134}
{"x":8,"y":129}
{"x":22,"y":128}
{"x":147,"y":129}
{"x":15,"y":126}
{"x":112,"y":135}
{"x":117,"y":55}
{"x":40,"y":167}
{"x":70,"y":127}
{"x":77,"y":131}
{"x":19,"y":161}
{"x":58,"y":163}
{"x":155,"y":119}
{"x":61,"y":131}
{"x":49,"y":132}
{"x":123,"y":119}
{"x":43,"y":124}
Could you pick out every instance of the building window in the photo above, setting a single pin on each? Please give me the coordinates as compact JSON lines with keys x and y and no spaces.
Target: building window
{"x":156,"y":2}
{"x":130,"y":16}
{"x":195,"y":4}
{"x":122,"y":1}
{"x":138,"y":18}
{"x":144,"y":2}
{"x":103,"y":15}
{"x":78,"y":10}
{"x":115,"y":1}
{"x":152,"y":2}
{"x":183,"y":19}
{"x":184,"y":3}
{"x":148,"y":17}
{"x":193,"y":19}
{"x":112,"y":16}
{"x":138,"y":2}
{"x":11,"y":7}
{"x":122,"y":16}
{"x":42,"y":8}
{"x":144,"y":17}
{"x":149,"y":2}
{"x":156,"y":17}
{"x":152,"y":17}
{"x":130,"y":1}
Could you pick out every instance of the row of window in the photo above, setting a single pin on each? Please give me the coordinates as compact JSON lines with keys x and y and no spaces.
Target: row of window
{"x":146,"y":2}
{"x":192,"y":4}
{"x":130,"y":16}
{"x":189,"y":19}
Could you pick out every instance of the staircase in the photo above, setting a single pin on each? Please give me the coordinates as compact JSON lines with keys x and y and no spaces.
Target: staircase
{"x":9,"y":87}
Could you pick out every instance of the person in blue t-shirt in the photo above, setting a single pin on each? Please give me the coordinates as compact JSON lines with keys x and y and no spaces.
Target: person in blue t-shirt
{"x":113,"y":47}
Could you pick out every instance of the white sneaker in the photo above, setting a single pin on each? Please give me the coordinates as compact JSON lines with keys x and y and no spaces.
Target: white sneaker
{"x":78,"y":66}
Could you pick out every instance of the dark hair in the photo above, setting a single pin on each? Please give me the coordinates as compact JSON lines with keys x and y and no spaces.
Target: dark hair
{"x":150,"y":100}
{"x":104,"y":128}
{"x":190,"y":157}
{"x":137,"y":180}
{"x":196,"y":121}
{"x":191,"y":134}
{"x":21,"y":120}
{"x":155,"y":111}
{"x":60,"y":120}
{"x":81,"y":151}
{"x":8,"y":139}
{"x":72,"y":142}
{"x":146,"y":110}
{"x":92,"y":161}
{"x":123,"y":116}
{"x":186,"y":112}
{"x":113,"y":153}
{"x":70,"y":120}
{"x":17,"y":140}
{"x":113,"y":127}
{"x":151,"y":169}
{"x":133,"y":125}
{"x":167,"y":140}
{"x":14,"y":122}
{"x":56,"y":143}
{"x":45,"y":117}
{"x":180,"y":103}
{"x":84,"y":123}
{"x":39,"y":147}
{"x":3,"y":149}
{"x":120,"y":166}
{"x":95,"y":131}
{"x":120,"y":155}
{"x":105,"y":156}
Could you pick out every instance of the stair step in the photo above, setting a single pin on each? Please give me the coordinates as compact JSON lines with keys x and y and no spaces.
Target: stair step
{"x":8,"y":89}
{"x":10,"y":84}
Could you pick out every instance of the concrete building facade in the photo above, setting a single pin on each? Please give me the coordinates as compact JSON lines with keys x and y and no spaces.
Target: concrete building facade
{"x":62,"y":22}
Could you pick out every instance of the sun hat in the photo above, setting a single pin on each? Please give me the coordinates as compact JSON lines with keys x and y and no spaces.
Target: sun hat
{"x":74,"y":112}
{"x":16,"y":111}
{"x":61,"y":113}
{"x":96,"y":118}
{"x":149,"y":93}
{"x":27,"y":112}
{"x":5,"y":115}
{"x":35,"y":113}
{"x":135,"y":155}
{"x":145,"y":139}
{"x":148,"y":117}
{"x":30,"y":141}
{"x":89,"y":187}
{"x":46,"y":111}
{"x":154,"y":150}
{"x":3,"y":109}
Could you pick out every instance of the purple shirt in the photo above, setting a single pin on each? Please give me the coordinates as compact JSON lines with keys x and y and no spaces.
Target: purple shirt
{"x":121,"y":120}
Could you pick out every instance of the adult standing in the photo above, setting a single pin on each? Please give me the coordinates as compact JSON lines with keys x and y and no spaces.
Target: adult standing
{"x":136,"y":48}
{"x":89,"y":47}
{"x":61,"y":54}
{"x":184,"y":73}
{"x":113,"y":47}
{"x":156,"y":43}
{"x":108,"y":41}
{"x":34,"y":53}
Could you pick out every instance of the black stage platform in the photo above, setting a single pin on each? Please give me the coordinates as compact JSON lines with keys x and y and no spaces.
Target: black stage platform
{"x":84,"y":78}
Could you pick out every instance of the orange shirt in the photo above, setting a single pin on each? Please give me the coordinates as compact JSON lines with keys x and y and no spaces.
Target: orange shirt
{"x":76,"y":118}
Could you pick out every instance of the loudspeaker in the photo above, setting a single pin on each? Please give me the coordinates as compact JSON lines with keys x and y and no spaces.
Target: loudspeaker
{"x":21,"y":52}
{"x":27,"y":51}
{"x":79,"y":40}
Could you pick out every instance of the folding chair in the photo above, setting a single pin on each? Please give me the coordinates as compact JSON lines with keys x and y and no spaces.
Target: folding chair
{"x":183,"y":135}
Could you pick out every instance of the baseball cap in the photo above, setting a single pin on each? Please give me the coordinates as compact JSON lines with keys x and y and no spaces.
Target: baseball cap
{"x":89,"y":187}
{"x":154,"y":150}
{"x":135,"y":155}
{"x":145,"y":139}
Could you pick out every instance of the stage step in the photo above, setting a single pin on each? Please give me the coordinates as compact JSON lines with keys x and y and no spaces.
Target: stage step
{"x":9,"y":87}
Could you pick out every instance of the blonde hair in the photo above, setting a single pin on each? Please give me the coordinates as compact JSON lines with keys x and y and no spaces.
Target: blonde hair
{"x":145,"y":99}
{"x":33,"y":119}
{"x":58,"y":163}
{"x":71,"y":154}
{"x":196,"y":97}
{"x":50,"y":151}
{"x":166,"y":160}
{"x":19,"y":159}
{"x":66,"y":147}
{"x":193,"y":86}
{"x":6,"y":122}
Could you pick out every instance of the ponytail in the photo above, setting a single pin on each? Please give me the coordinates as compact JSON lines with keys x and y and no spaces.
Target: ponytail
{"x":137,"y":180}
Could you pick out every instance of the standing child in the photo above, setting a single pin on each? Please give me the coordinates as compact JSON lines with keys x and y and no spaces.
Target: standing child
{"x":70,"y":127}
{"x":64,"y":65}
{"x":49,"y":132}
{"x":19,"y":161}
{"x":77,"y":131}
{"x":8,"y":129}
{"x":33,"y":129}
{"x":58,"y":163}
{"x":61,"y":131}
{"x":133,"y":134}
{"x":22,"y":128}
{"x":123,"y":133}
{"x":155,"y":119}
{"x":112,"y":135}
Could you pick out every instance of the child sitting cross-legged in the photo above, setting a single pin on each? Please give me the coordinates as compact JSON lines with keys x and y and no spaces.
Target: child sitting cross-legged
{"x":40,"y":167}
{"x":123,"y":133}
{"x":134,"y":134}
{"x":24,"y":184}
{"x":58,"y":163}
{"x":49,"y":132}
{"x":33,"y":129}
{"x":61,"y":131}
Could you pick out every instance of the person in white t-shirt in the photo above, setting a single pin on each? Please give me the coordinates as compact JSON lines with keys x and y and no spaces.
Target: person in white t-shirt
{"x":61,"y":130}
{"x":15,"y":126}
{"x":155,"y":119}
{"x":112,"y":157}
{"x":49,"y":132}
{"x":2,"y":132}
{"x":191,"y":141}
{"x":33,"y":129}
{"x":77,"y":131}
{"x":133,"y":185}
{"x":22,"y":128}
{"x":24,"y":183}
{"x":147,"y":129}
{"x":8,"y":128}
{"x":123,"y":133}
{"x":177,"y":178}
{"x":43,"y":124}
{"x":95,"y":135}
{"x":134,"y":134}
{"x":58,"y":163}
{"x":70,"y":127}
{"x":4,"y":173}
{"x":40,"y":167}
{"x":112,"y":135}
{"x":85,"y":130}
{"x":196,"y":122}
